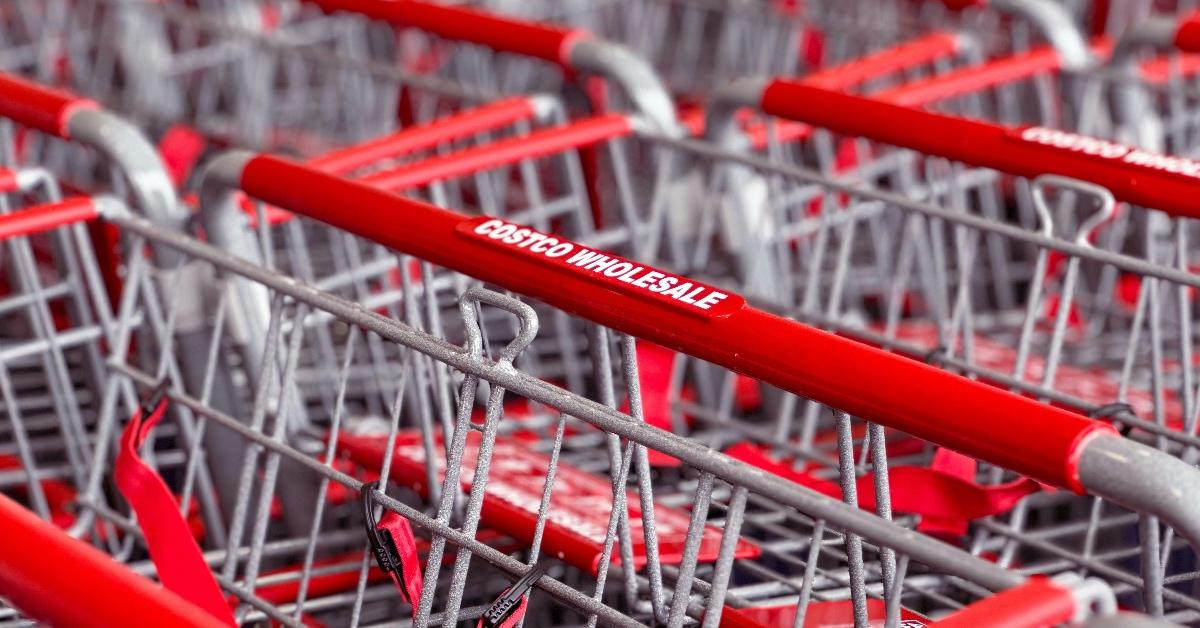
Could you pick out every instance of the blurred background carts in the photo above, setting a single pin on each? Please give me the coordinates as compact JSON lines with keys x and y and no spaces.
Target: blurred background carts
{"x":683,"y":350}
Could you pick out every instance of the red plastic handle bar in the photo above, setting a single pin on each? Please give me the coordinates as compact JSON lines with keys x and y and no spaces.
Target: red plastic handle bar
{"x":61,"y":581}
{"x":39,"y":107}
{"x":41,"y":218}
{"x":907,"y":55}
{"x":541,"y":41}
{"x":959,"y":5}
{"x":1038,"y":602}
{"x":846,"y":76}
{"x":993,"y":73}
{"x":415,"y":138}
{"x":1132,"y":175}
{"x":973,"y":79}
{"x":479,"y":158}
{"x":1005,"y":70}
{"x":428,"y":135}
{"x":970,"y":417}
{"x":1187,"y":35}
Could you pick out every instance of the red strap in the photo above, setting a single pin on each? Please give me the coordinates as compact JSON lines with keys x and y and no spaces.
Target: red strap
{"x":409,"y":580}
{"x":945,"y":501}
{"x":656,"y":368}
{"x":176,"y":556}
{"x":955,"y":465}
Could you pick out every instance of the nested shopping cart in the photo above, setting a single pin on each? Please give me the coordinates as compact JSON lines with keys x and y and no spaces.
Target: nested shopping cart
{"x":257,"y":75}
{"x":691,"y":579}
{"x":894,"y":288}
{"x":729,"y":40}
{"x":148,"y":342}
{"x":245,"y":321}
{"x":733,"y":39}
{"x":55,"y":293}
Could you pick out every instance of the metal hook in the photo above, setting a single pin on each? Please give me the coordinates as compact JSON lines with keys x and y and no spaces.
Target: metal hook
{"x":1087,"y":227}
{"x":382,"y":544}
{"x":526,"y":316}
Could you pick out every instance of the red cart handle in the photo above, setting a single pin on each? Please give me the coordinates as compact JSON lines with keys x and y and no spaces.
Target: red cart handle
{"x":990,"y":74}
{"x":72,"y":117}
{"x":40,"y":218}
{"x":531,"y":39}
{"x":488,"y":117}
{"x":1132,"y":175}
{"x":573,"y":49}
{"x":424,"y":136}
{"x":904,"y":56}
{"x":45,"y":109}
{"x":846,"y":76}
{"x":1187,"y":33}
{"x":61,"y":581}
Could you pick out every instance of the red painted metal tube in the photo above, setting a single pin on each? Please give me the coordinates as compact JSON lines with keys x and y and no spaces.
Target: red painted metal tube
{"x":479,"y":158}
{"x":958,"y":5}
{"x":971,"y":417}
{"x":1038,"y":602}
{"x":61,"y":581}
{"x":39,"y":107}
{"x":411,"y":139}
{"x":1187,"y":36}
{"x":907,"y":55}
{"x":1161,"y":182}
{"x":45,"y":217}
{"x":993,"y":73}
{"x":499,"y":33}
{"x":426,"y":135}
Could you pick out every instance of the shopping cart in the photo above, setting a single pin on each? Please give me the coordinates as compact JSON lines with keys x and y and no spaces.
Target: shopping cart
{"x":734,"y":39}
{"x":996,"y":343}
{"x":54,"y":303}
{"x":157,"y":343}
{"x":549,"y":290}
{"x":689,"y":580}
{"x":1112,"y":313}
{"x":247,"y":326}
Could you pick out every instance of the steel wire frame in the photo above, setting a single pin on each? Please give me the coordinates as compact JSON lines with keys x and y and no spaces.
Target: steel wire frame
{"x":731,"y":486}
{"x":1156,"y":311}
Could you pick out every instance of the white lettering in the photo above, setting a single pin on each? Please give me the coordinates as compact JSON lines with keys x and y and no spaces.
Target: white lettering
{"x":543,"y":244}
{"x":583,"y":257}
{"x":617,"y":269}
{"x":488,"y":226}
{"x":711,"y":299}
{"x":560,"y":249}
{"x":642,"y":278}
{"x":502,"y":231}
{"x":1110,"y":150}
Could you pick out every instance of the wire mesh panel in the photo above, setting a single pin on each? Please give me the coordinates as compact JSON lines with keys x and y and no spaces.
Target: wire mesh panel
{"x":842,"y":362}
{"x":941,"y":308}
{"x":565,"y":477}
